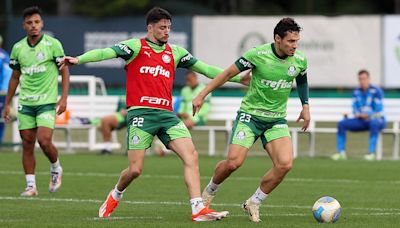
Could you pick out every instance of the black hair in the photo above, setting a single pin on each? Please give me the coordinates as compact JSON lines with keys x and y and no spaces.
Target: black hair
{"x":31,"y":11}
{"x":156,"y":14}
{"x":363,"y":71}
{"x":285,"y":25}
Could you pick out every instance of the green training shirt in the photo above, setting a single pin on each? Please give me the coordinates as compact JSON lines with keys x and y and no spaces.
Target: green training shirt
{"x":39,"y":71}
{"x":271,"y":81}
{"x":188,"y":94}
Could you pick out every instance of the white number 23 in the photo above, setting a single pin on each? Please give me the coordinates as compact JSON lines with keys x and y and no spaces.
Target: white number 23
{"x":244,"y":117}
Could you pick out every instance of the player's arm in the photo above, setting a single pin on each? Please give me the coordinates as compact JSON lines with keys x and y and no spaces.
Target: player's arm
{"x":302,"y":90}
{"x":95,"y":55}
{"x":203,"y":112}
{"x":377,"y":107}
{"x":187,"y":60}
{"x":12,"y":87}
{"x":221,"y":79}
{"x":211,"y":71}
{"x":62,"y":103}
{"x":356,"y":106}
{"x":58,"y":55}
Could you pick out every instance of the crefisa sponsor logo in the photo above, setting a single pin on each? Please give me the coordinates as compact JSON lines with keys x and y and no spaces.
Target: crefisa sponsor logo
{"x":155,"y":71}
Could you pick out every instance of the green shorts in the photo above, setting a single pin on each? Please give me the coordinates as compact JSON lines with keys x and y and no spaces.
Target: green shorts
{"x":36,"y":116}
{"x":145,"y":123}
{"x":121,"y":120}
{"x":247,"y":129}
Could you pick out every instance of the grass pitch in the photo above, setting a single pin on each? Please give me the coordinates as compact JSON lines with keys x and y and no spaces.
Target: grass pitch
{"x":367,"y":191}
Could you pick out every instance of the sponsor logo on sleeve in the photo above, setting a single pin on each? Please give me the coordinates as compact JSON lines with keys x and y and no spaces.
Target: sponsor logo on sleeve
{"x":187,"y":58}
{"x":245,"y":63}
{"x":124,"y":48}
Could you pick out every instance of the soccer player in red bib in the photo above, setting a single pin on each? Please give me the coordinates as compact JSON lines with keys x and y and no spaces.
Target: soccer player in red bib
{"x":150,"y":71}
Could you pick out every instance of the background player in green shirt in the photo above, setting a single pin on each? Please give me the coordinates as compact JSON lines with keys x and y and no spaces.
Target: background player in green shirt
{"x":188,"y":92}
{"x":109,"y":123}
{"x":150,"y":71}
{"x":34,"y":63}
{"x":184,"y":110}
{"x":262,"y":113}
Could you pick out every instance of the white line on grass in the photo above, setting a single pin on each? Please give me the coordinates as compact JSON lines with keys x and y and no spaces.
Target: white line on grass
{"x":126,"y":218}
{"x":91,"y":174}
{"x":379,"y":210}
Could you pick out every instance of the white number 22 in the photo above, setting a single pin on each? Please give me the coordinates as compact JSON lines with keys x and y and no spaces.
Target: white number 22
{"x":137,"y":122}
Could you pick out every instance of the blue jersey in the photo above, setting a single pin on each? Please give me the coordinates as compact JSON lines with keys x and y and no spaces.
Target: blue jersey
{"x":368,"y":102}
{"x":5,"y":70}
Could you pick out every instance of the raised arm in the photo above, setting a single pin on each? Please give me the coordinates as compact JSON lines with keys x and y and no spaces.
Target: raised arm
{"x":211,"y":71}
{"x":95,"y":55}
{"x":214,"y":84}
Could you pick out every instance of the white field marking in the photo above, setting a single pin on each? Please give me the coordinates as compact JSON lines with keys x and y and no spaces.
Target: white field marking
{"x":14,"y":220}
{"x":91,"y":174}
{"x":308,"y":214}
{"x":381,"y":210}
{"x":126,"y":218}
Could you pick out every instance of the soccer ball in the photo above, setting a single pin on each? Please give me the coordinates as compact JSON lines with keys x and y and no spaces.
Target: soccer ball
{"x":326,"y":210}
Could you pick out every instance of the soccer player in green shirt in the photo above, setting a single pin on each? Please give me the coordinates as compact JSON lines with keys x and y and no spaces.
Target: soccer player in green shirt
{"x":188,"y":92}
{"x":34,"y":63}
{"x":150,"y":71}
{"x":262,"y":113}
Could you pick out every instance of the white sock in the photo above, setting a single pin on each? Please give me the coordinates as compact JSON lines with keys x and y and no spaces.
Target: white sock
{"x":55,"y":165}
{"x":197,"y":205}
{"x":117,"y":194}
{"x":258,"y":196}
{"x":30,"y":180}
{"x":212,"y":188}
{"x":108,"y":146}
{"x":342,"y":152}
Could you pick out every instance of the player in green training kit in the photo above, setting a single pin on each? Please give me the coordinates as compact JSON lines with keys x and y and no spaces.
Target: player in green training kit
{"x":262,"y":113}
{"x":34,"y":63}
{"x":150,"y":71}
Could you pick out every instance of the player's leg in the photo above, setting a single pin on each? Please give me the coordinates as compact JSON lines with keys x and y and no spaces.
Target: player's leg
{"x":176,"y":136}
{"x":107,"y":125}
{"x":353,"y":124}
{"x":277,"y":143}
{"x":235,"y":158}
{"x":244,"y":134}
{"x":28,"y":137}
{"x":136,"y":159}
{"x":46,"y":121}
{"x":141,"y":130}
{"x":27,"y":130}
{"x":375,"y":126}
{"x":184,"y":148}
{"x":2,"y":125}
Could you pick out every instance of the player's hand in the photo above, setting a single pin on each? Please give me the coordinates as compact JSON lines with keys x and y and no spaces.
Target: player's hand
{"x":67,"y":61}
{"x":246,"y":78}
{"x":61,"y":106}
{"x":305,"y":115}
{"x":6,"y":114}
{"x":197,"y":103}
{"x":363,"y":116}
